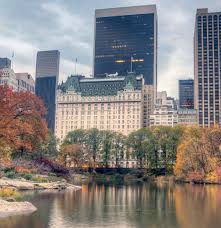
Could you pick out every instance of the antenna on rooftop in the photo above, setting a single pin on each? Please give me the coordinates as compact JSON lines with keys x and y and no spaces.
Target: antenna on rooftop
{"x":75,"y":66}
{"x":13,"y":54}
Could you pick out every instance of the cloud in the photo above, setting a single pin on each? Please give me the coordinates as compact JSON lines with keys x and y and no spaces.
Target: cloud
{"x":69,"y":26}
{"x":68,"y":68}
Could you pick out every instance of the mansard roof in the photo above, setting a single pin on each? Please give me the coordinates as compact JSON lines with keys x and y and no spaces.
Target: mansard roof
{"x":107,"y":86}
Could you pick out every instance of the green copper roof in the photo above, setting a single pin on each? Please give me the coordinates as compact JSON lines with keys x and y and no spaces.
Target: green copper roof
{"x":101,"y":87}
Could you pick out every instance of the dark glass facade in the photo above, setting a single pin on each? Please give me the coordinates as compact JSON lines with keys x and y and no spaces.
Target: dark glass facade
{"x":186,"y":94}
{"x":5,"y":63}
{"x":47,"y":74}
{"x":45,"y":88}
{"x":207,"y":64}
{"x":122,"y":39}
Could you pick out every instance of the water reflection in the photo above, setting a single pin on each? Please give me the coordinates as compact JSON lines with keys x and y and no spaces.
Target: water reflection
{"x":135,"y":205}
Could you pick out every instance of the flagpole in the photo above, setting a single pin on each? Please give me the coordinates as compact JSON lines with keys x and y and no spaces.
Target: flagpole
{"x":75,"y":67}
{"x":131,"y":63}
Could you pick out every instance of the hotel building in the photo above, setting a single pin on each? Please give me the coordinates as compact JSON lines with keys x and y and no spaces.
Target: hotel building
{"x":111,"y":103}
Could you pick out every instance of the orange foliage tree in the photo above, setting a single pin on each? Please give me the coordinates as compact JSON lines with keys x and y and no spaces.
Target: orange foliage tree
{"x":199,"y":153}
{"x":71,"y":155}
{"x":22,"y":123}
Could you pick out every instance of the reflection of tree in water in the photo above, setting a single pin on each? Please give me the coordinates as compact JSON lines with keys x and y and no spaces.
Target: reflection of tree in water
{"x":198,"y":206}
{"x":137,"y":205}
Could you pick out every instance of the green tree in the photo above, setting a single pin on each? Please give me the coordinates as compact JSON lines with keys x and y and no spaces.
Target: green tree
{"x":119,"y":141}
{"x":139,"y":142}
{"x":107,"y":144}
{"x":76,"y":137}
{"x":93,"y":143}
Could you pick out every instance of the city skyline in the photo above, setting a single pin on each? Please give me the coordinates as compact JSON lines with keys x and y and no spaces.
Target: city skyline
{"x":175,"y":53}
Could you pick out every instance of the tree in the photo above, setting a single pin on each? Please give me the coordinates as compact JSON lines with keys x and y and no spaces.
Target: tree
{"x":94,"y":143}
{"x":71,"y":155}
{"x":107,"y":142}
{"x":139,"y":142}
{"x":167,"y":140}
{"x":49,"y":147}
{"x":76,"y":137}
{"x":118,"y":147}
{"x":199,"y":152}
{"x":22,"y":123}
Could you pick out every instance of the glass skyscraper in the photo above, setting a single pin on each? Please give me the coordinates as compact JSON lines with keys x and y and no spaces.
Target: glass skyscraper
{"x":186,"y":94}
{"x":207,"y":54}
{"x":5,"y":63}
{"x":47,"y":74}
{"x":126,"y":40}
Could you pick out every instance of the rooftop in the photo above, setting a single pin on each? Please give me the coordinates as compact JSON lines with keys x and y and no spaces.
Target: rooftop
{"x":103,"y":86}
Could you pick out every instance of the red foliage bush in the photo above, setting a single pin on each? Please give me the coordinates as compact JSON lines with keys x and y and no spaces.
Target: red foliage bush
{"x":20,"y":169}
{"x":51,"y":166}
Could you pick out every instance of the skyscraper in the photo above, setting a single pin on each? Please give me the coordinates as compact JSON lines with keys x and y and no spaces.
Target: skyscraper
{"x":5,"y":63}
{"x":207,"y":54}
{"x":186,"y":94}
{"x":47,"y":73}
{"x":126,"y":40}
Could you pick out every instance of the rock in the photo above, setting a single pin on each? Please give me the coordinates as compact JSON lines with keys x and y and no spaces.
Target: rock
{"x":15,"y":208}
{"x":28,"y":185}
{"x":10,"y":199}
{"x":73,"y":187}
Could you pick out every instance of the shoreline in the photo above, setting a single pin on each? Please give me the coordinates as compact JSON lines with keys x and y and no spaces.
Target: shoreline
{"x":197,"y":182}
{"x":24,"y":185}
{"x":9,"y":206}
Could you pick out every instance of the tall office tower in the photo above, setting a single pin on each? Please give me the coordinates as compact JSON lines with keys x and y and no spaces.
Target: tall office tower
{"x":186,"y":94}
{"x":5,"y":63}
{"x":207,"y":52}
{"x":47,"y":73}
{"x":126,"y":40}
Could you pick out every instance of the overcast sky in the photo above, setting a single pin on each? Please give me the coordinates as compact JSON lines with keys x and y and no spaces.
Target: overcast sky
{"x":27,"y":26}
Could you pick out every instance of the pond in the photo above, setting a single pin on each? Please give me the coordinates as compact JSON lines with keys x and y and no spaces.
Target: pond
{"x":131,"y":205}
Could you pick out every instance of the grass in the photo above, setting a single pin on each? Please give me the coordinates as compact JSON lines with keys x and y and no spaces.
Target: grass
{"x":9,"y":192}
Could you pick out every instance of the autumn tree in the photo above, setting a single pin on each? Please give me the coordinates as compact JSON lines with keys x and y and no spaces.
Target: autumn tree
{"x":22,"y":123}
{"x":71,"y":155}
{"x":198,"y":152}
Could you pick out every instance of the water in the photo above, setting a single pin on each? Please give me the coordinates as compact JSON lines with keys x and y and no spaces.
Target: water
{"x":134,"y":205}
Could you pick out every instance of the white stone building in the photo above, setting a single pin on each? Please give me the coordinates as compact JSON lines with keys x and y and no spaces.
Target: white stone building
{"x":187,"y":117}
{"x":112,"y":103}
{"x":8,"y":77}
{"x":25,"y":82}
{"x":165,"y":112}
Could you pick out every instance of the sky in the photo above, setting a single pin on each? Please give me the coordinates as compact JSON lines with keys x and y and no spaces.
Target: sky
{"x":28,"y":26}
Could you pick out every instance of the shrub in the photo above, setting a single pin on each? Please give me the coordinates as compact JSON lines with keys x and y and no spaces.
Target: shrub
{"x":9,"y":192}
{"x":52,"y":166}
{"x":40,"y":179}
{"x":27,"y":176}
{"x":10,"y":174}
